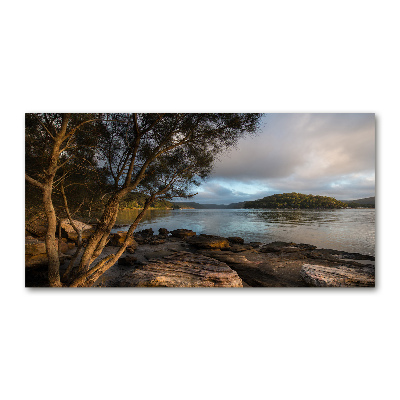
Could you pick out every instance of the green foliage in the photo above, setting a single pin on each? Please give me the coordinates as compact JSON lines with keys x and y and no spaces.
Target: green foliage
{"x":137,"y":200}
{"x":84,"y":180}
{"x":295,"y":201}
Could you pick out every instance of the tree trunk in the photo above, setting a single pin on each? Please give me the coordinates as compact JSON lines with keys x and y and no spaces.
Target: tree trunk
{"x":89,"y":277}
{"x":98,"y":239}
{"x":50,"y":239}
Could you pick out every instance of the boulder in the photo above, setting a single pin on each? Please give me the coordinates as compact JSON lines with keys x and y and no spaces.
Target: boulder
{"x":255,"y":245}
{"x":237,"y":248}
{"x":146,"y":232}
{"x":63,"y":246}
{"x":157,"y":241}
{"x":235,"y":240}
{"x":37,"y":227}
{"x":34,"y":247}
{"x":279,"y":247}
{"x":163,"y":232}
{"x":69,"y":232}
{"x":337,"y":276}
{"x":208,"y":242}
{"x":40,"y":260}
{"x":182,"y":269}
{"x":183,"y":233}
{"x":117,"y":239}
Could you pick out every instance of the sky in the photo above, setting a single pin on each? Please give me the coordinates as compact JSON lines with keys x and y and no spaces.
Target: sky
{"x":320,"y":154}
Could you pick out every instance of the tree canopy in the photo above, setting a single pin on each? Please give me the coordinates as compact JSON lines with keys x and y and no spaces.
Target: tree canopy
{"x":159,"y":156}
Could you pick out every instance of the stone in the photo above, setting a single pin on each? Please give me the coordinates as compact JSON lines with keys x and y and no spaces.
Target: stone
{"x":337,"y":276}
{"x":37,"y":227}
{"x":117,"y":239}
{"x":235,"y":240}
{"x":131,"y":249}
{"x":183,"y":233}
{"x":66,"y":227}
{"x":237,"y":248}
{"x":255,"y":245}
{"x":208,"y":242}
{"x":149,"y":255}
{"x":279,"y":247}
{"x":40,"y":260}
{"x":163,"y":231}
{"x":155,"y":242}
{"x":182,"y":269}
{"x":146,"y":232}
{"x":34,"y":247}
{"x":63,"y":246}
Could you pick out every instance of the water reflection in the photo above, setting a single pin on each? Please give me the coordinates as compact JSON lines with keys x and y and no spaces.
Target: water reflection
{"x":128,"y":216}
{"x":299,"y":217}
{"x":349,"y":230}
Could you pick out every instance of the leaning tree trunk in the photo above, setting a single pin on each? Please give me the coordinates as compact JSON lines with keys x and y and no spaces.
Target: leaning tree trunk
{"x":98,"y":240}
{"x":50,"y":239}
{"x":91,"y":275}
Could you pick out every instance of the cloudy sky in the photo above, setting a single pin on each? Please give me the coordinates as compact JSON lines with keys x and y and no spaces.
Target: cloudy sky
{"x":320,"y":154}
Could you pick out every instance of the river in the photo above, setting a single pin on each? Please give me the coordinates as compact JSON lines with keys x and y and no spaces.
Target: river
{"x":351,"y":230}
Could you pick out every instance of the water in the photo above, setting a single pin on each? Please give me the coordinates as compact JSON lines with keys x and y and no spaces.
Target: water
{"x":351,"y":230}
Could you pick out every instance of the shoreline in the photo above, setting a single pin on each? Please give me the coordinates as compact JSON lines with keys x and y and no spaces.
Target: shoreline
{"x":276,"y":264}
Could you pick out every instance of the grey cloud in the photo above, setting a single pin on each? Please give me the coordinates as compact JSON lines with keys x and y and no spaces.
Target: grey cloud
{"x":327,"y":154}
{"x":303,"y":144}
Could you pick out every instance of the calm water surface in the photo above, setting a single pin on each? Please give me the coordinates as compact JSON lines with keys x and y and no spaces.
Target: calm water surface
{"x":350,"y":230}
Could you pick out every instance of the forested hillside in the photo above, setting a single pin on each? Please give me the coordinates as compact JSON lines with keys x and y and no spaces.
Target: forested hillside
{"x":295,"y":200}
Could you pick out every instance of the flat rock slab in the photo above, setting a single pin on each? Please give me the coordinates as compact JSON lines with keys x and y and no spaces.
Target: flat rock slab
{"x":319,"y":275}
{"x":182,"y":269}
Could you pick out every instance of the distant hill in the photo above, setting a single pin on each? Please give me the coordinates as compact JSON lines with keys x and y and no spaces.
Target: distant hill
{"x":296,"y":201}
{"x":192,"y":204}
{"x":367,"y":200}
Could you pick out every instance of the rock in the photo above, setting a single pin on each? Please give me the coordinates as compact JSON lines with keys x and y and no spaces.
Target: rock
{"x":235,"y":240}
{"x":40,"y":260}
{"x":118,"y":239}
{"x":127,"y":260}
{"x":163,"y":231}
{"x":181,"y":269}
{"x":63,"y":246}
{"x":183,"y":233}
{"x":149,"y":255}
{"x":146,"y":232}
{"x":69,"y":232}
{"x":155,"y":242}
{"x":226,"y":257}
{"x":34,"y":247}
{"x":320,"y":275}
{"x":131,"y":249}
{"x":38,"y":227}
{"x":237,"y":248}
{"x":208,"y":242}
{"x":278,"y":247}
{"x":66,"y":227}
{"x":255,"y":245}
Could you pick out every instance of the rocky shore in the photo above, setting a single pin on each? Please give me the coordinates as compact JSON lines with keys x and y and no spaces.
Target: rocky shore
{"x":181,"y":258}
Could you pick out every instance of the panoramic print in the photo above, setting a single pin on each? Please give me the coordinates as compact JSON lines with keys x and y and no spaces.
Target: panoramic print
{"x":199,"y":200}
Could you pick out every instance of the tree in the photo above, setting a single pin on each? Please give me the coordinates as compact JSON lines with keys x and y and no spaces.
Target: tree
{"x":160,"y":155}
{"x":52,"y":142}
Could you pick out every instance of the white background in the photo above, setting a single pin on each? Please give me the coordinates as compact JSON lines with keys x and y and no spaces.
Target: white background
{"x":253,"y":56}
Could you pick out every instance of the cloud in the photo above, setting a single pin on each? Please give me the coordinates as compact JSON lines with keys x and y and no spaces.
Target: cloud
{"x":308,"y":153}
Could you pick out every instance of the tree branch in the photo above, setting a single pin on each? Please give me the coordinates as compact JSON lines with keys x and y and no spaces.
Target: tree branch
{"x":34,"y":182}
